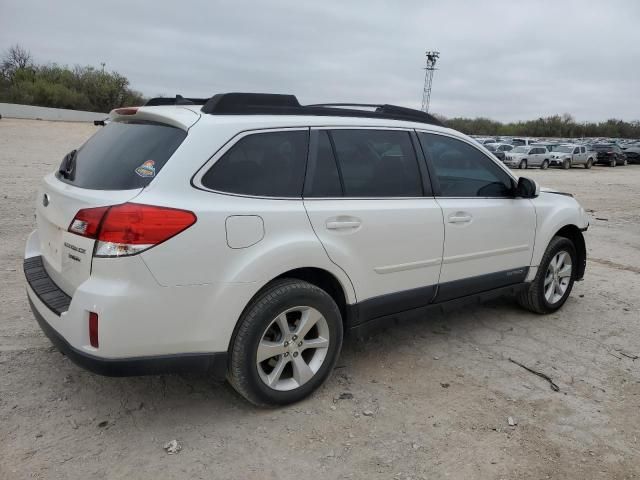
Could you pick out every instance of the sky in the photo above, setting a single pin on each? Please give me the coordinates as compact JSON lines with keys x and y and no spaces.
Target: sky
{"x":505,"y":60}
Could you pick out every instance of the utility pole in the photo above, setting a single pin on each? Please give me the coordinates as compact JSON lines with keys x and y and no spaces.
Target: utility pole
{"x":432,"y":58}
{"x":103,"y":64}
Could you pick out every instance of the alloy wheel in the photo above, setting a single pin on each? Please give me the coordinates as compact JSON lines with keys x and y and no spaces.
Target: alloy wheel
{"x":292,"y":348}
{"x":558,"y":277}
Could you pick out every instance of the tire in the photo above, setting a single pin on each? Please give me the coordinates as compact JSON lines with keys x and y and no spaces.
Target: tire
{"x":625,"y":162}
{"x":284,"y":302}
{"x":589,"y":164}
{"x":613,"y":162}
{"x":566,"y":164}
{"x":535,"y":297}
{"x":545,"y":165}
{"x":523,"y":164}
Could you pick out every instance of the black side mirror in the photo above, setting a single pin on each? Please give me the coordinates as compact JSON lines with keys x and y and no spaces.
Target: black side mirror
{"x":527,"y":188}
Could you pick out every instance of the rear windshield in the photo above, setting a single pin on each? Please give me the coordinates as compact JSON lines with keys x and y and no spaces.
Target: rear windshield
{"x":122,"y":156}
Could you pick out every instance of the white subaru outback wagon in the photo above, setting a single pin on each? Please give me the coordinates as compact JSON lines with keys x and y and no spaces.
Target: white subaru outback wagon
{"x":244,"y":235}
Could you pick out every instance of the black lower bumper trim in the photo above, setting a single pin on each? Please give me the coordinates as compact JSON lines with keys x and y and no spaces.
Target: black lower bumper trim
{"x":214,"y":364}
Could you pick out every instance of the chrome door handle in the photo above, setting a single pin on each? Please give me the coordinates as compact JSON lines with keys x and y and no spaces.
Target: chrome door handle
{"x":460,"y":217}
{"x":342,"y":224}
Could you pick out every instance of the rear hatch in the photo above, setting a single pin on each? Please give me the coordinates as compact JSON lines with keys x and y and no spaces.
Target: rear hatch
{"x":111,"y":168}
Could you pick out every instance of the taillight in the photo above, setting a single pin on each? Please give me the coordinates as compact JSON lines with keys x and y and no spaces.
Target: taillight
{"x":87,"y":222}
{"x":130,"y":228}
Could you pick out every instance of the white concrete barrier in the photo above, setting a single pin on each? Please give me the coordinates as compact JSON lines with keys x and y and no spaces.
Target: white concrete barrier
{"x":13,"y":110}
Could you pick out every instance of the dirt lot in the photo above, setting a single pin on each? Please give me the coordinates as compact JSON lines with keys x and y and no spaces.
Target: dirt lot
{"x":441,"y":390}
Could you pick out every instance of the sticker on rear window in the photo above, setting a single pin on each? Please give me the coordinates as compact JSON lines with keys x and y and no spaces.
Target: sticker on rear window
{"x":147,"y":169}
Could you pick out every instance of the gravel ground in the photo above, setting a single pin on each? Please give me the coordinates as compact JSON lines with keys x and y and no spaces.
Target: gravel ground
{"x":437,"y":393}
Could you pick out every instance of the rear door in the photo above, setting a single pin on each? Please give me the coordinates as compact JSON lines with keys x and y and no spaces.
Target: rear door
{"x":489,"y":233}
{"x":112,"y":167}
{"x":369,"y":204}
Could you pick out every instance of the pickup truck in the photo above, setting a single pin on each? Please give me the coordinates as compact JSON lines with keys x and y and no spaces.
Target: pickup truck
{"x":566,"y":156}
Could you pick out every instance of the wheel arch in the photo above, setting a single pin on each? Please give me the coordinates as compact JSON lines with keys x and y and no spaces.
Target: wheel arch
{"x":574,"y":234}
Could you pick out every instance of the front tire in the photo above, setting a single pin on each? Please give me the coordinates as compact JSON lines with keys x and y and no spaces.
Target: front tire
{"x":589,"y":164}
{"x":566,"y":164}
{"x":613,"y":162}
{"x":625,"y":162}
{"x":523,"y":165}
{"x":554,"y":281}
{"x":545,"y":165}
{"x":287,"y":342}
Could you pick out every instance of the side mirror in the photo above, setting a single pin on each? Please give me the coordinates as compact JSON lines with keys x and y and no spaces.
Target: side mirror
{"x":527,"y":188}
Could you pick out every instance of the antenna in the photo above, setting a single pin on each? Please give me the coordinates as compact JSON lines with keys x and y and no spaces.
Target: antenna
{"x":432,"y":58}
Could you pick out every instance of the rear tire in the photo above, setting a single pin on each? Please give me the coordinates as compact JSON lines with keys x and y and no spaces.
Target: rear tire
{"x":552,"y":285}
{"x":545,"y":165}
{"x":613,"y":162}
{"x":589,"y":164}
{"x":523,"y":165}
{"x":295,"y":361}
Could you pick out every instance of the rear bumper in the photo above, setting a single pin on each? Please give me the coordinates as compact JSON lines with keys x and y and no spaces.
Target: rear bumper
{"x":65,"y":326}
{"x":214,"y":364}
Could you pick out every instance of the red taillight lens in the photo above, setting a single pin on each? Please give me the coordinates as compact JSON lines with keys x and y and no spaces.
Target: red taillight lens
{"x":87,"y":222}
{"x":93,"y":329}
{"x":131,"y":227}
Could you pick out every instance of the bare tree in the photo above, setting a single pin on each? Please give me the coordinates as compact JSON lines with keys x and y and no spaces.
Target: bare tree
{"x":15,"y":58}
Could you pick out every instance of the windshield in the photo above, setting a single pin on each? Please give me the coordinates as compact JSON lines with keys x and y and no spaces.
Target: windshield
{"x":121,"y":156}
{"x":490,"y":147}
{"x":518,"y":141}
{"x":520,"y":150}
{"x":564,"y":149}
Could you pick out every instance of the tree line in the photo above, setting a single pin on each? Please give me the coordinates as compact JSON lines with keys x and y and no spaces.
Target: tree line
{"x":553,"y":126}
{"x":51,"y":85}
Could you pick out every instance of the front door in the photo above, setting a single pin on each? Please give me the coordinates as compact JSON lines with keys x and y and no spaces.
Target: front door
{"x":489,"y":233}
{"x":366,"y":200}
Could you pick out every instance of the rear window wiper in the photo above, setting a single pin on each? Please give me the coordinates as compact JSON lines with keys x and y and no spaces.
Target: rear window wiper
{"x":68,"y":165}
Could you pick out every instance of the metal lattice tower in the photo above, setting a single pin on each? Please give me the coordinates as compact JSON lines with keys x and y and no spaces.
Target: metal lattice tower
{"x":432,"y":58}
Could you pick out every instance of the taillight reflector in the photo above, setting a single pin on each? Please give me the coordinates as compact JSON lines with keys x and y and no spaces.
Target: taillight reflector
{"x":93,"y":329}
{"x":130,"y":228}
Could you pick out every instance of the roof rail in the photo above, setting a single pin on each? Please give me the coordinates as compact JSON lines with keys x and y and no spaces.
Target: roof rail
{"x":275,"y":104}
{"x":177,"y":100}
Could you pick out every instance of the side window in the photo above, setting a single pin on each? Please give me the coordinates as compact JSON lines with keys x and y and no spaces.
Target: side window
{"x":377,"y":163}
{"x":268,"y":164}
{"x":582,"y":149}
{"x":323,"y":179}
{"x":576,"y":150}
{"x":463,"y":170}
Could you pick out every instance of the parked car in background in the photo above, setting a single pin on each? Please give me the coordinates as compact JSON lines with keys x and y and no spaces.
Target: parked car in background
{"x":517,"y":142}
{"x":499,"y":149}
{"x":524,"y":157}
{"x":609,"y":154}
{"x":632,"y":152}
{"x":551,"y":146}
{"x":567,"y":156}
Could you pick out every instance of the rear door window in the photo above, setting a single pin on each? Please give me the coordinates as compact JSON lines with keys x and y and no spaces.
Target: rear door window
{"x":122,"y":156}
{"x":377,"y":163}
{"x":269,"y":164}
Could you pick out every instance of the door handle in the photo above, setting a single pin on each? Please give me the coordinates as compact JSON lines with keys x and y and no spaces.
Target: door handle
{"x":460,"y":217}
{"x":342,"y":224}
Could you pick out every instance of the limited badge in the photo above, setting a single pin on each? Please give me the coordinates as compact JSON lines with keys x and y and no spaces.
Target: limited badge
{"x":147,"y":169}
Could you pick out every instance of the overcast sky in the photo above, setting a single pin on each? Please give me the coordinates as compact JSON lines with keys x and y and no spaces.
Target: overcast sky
{"x":506,"y":60}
